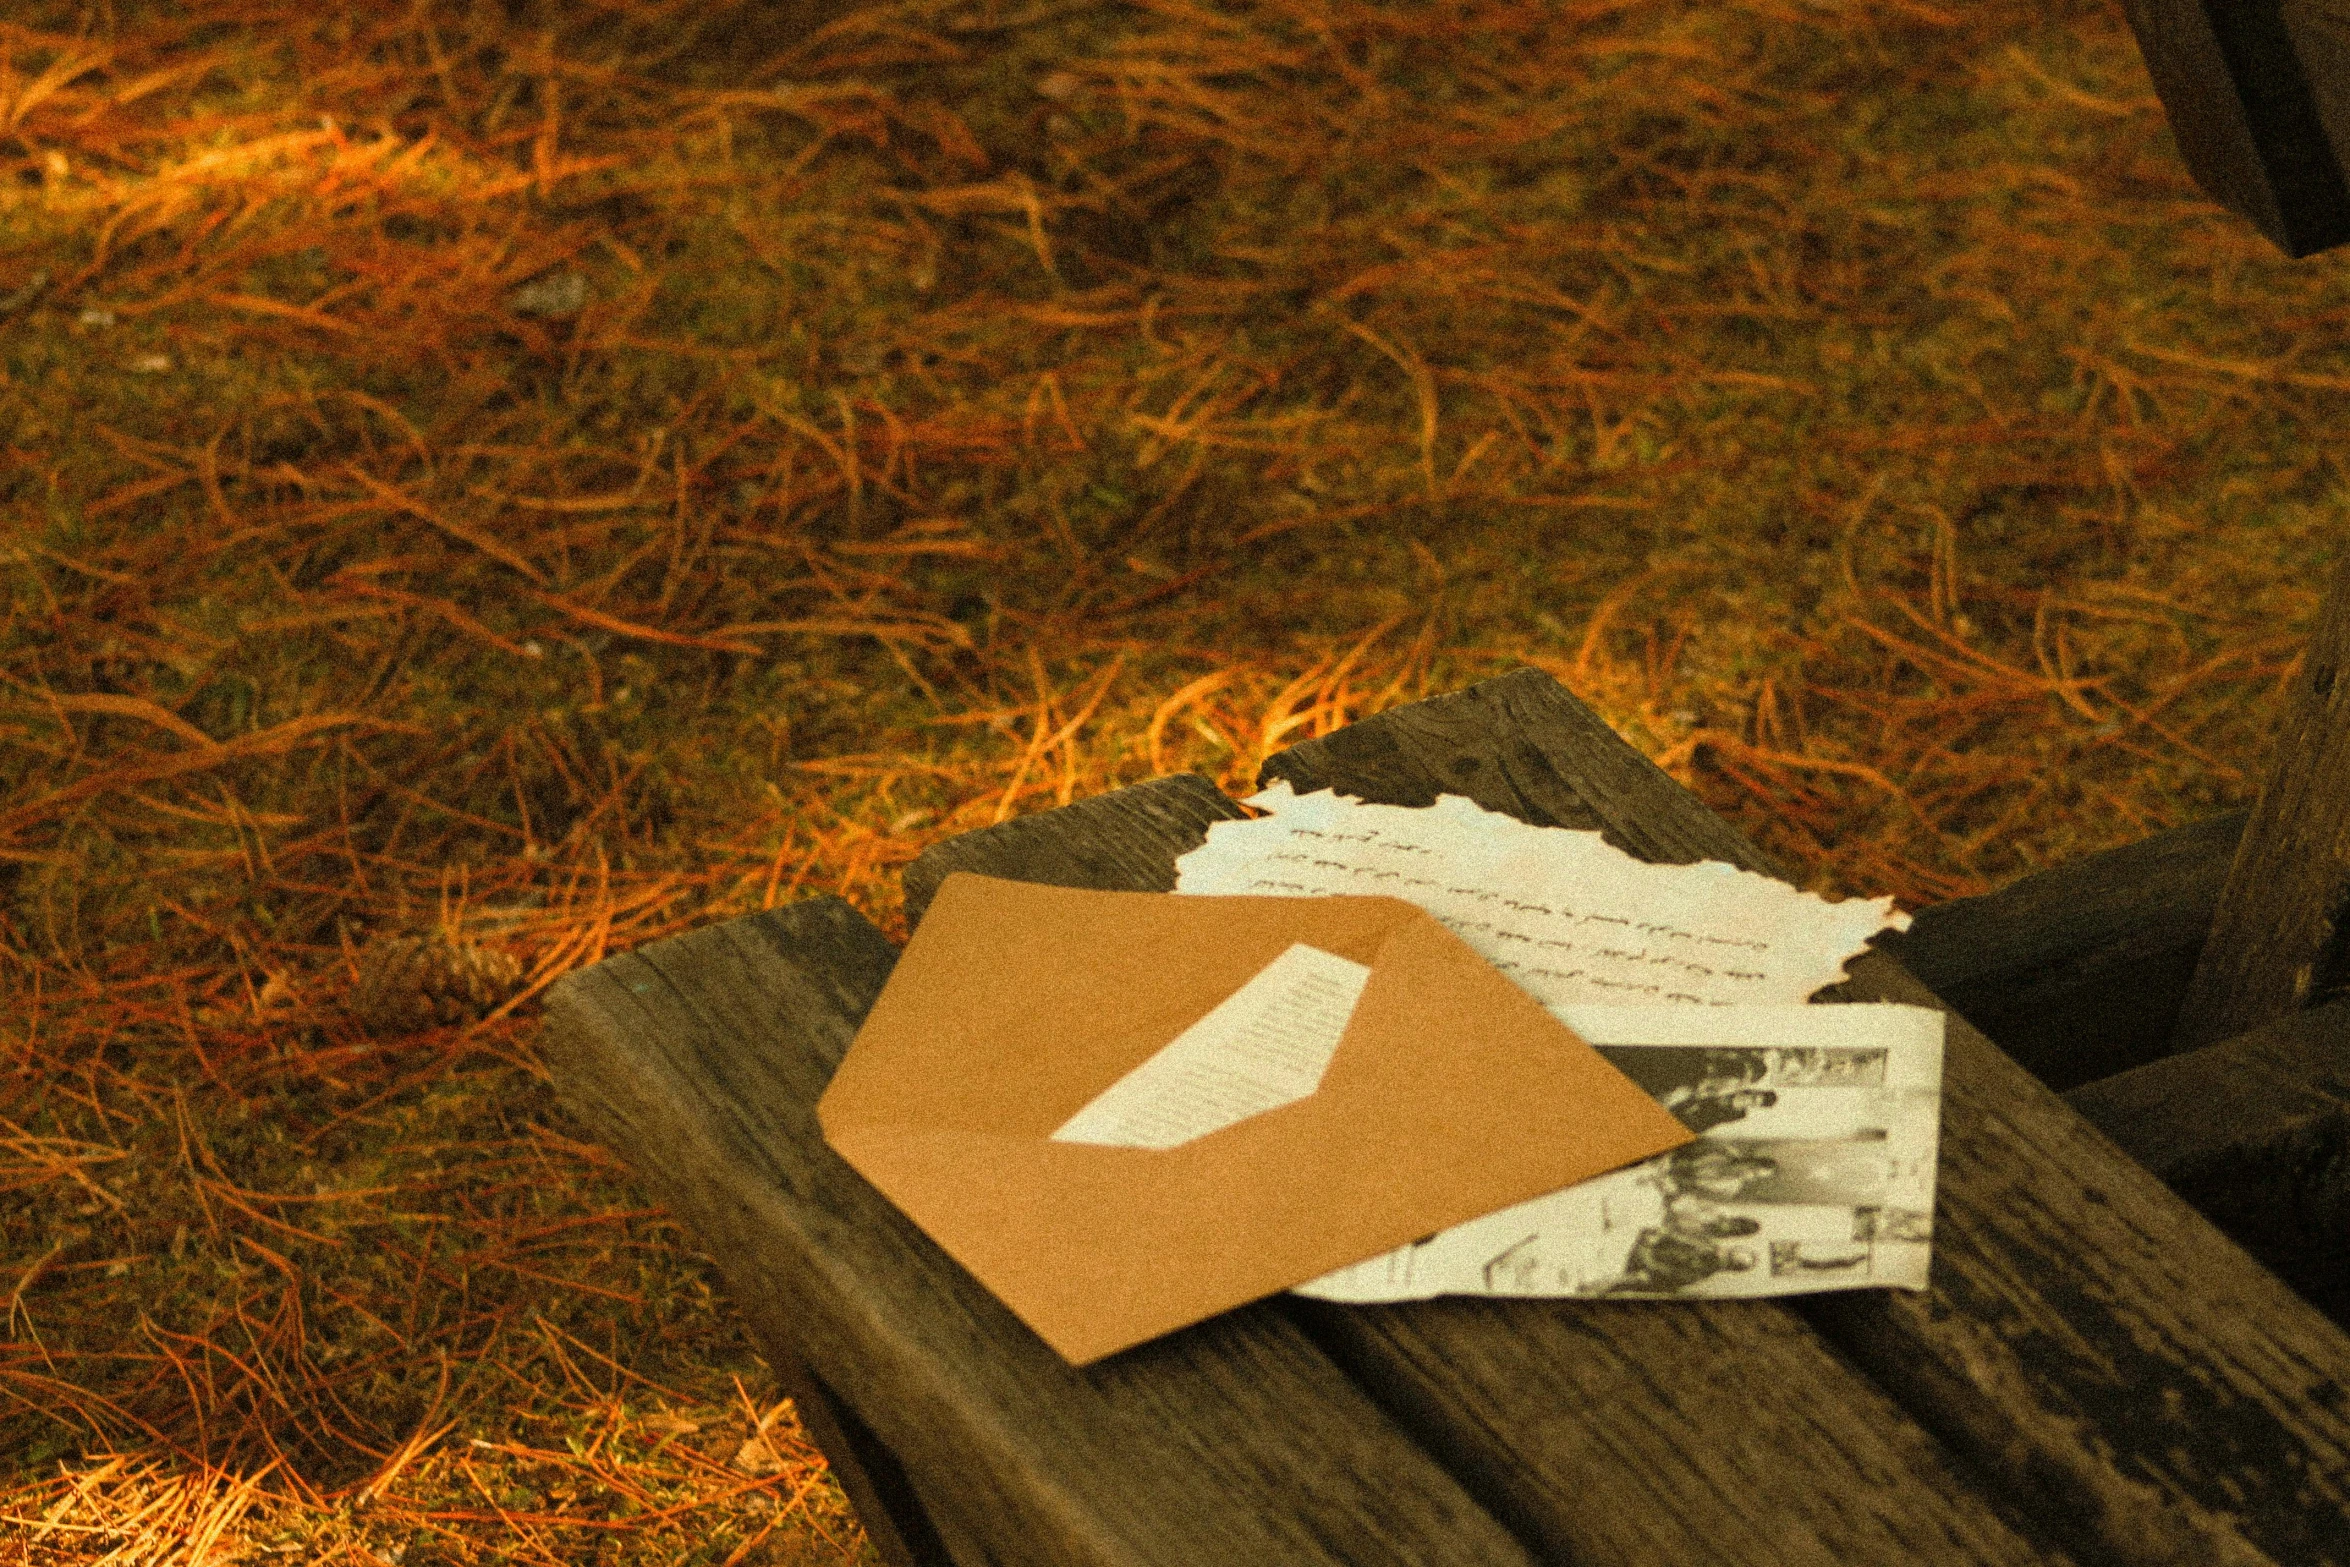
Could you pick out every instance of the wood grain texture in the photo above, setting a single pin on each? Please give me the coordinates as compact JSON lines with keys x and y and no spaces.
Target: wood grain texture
{"x":1721,"y":1431}
{"x":1601,"y":1433}
{"x":2241,"y":107}
{"x":2278,"y":935}
{"x":1110,"y":843}
{"x":2078,"y":972}
{"x":2134,"y":1379}
{"x":2255,"y":1133}
{"x":699,"y":1060}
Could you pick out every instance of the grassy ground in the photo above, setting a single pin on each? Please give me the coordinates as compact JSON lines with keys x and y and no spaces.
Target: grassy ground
{"x":490,"y":485}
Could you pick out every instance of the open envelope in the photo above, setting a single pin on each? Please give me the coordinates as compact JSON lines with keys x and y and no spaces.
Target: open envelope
{"x":1452,"y":1094}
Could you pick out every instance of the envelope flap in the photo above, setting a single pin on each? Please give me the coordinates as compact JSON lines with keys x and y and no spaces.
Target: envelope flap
{"x":1058,"y":992}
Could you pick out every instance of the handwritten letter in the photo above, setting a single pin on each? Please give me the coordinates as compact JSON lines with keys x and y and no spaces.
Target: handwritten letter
{"x":1571,"y":919}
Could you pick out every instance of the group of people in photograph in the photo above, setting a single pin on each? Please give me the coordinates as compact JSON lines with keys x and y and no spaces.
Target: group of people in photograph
{"x":1697,"y":1238}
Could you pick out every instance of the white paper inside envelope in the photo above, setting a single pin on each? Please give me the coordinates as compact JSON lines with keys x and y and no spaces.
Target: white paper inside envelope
{"x":1265,"y":1045}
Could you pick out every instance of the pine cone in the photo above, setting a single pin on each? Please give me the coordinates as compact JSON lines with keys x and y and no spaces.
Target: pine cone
{"x":408,"y":983}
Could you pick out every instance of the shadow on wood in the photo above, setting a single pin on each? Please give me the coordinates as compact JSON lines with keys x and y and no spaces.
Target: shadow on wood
{"x":2255,"y":1132}
{"x":2078,"y":972}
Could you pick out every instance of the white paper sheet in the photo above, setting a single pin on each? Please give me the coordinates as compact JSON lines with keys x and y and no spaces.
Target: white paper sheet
{"x":1265,"y":1045}
{"x":1696,"y":958}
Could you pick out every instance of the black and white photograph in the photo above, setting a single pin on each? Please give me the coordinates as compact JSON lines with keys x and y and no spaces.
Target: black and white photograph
{"x":1812,"y":1168}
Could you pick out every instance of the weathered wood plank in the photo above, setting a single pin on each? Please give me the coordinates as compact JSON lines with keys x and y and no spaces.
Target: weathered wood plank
{"x":1622,"y":1433}
{"x":699,"y":1059}
{"x":2241,"y":105}
{"x":2130,"y":1375}
{"x":1724,"y":1432}
{"x":1111,"y":842}
{"x":2255,"y":1133}
{"x":2277,"y":938}
{"x":2078,"y":971}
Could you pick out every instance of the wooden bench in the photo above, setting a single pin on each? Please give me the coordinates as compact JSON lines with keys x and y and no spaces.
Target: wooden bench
{"x":2098,"y":1375}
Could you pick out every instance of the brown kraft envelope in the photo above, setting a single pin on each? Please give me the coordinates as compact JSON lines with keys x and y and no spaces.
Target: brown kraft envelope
{"x":1452,"y":1094}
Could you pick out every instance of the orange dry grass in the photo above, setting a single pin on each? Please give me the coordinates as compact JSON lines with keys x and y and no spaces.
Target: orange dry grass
{"x":543,"y":476}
